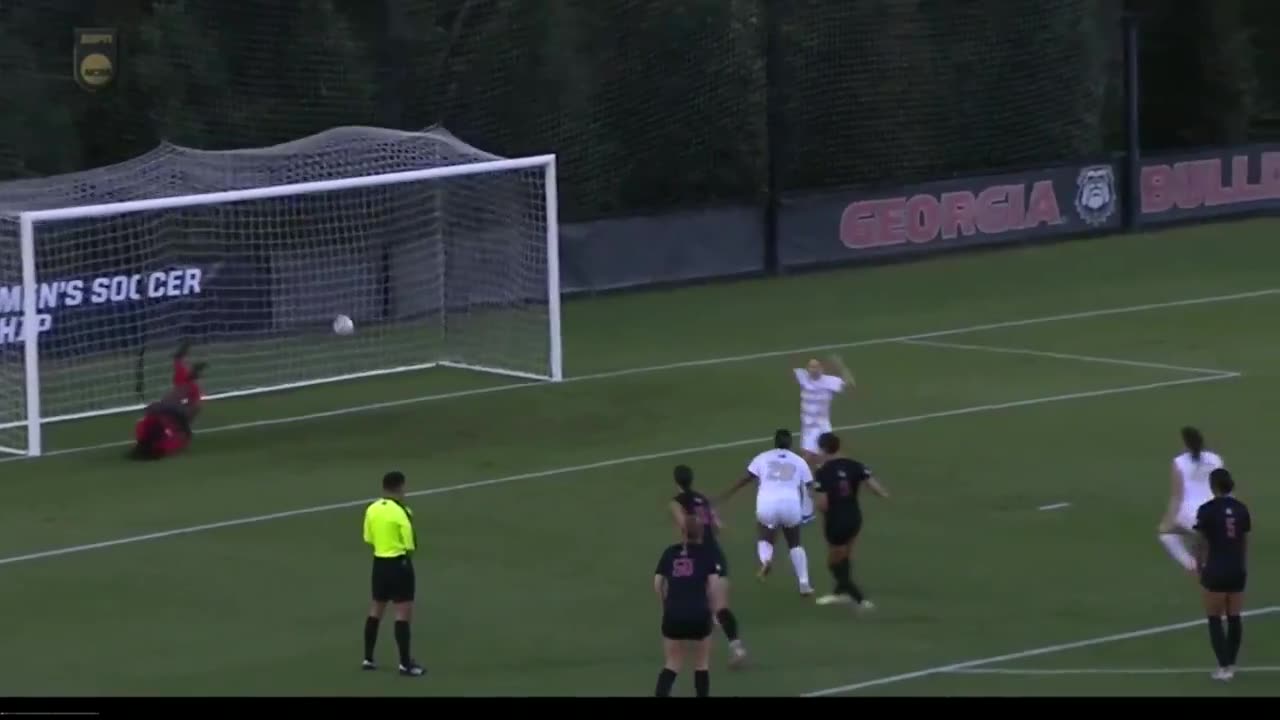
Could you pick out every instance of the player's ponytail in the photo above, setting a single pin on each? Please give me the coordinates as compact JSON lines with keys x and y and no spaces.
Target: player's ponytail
{"x":692,"y":529}
{"x":1194,"y":442}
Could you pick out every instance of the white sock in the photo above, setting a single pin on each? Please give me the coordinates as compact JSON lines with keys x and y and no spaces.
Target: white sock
{"x":800,"y":561}
{"x":765,"y":551}
{"x":1178,"y":549}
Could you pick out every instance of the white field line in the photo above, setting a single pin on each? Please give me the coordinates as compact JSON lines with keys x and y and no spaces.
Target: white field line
{"x":1108,"y":671}
{"x":1033,"y":652}
{"x":1055,"y":506}
{"x":1069,"y":356}
{"x":598,"y":466}
{"x":370,"y":407}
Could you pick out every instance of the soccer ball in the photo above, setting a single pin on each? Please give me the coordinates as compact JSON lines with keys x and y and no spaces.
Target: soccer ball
{"x":342,"y":325}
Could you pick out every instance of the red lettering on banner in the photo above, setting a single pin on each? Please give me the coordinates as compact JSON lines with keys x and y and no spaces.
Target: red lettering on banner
{"x":1192,"y":184}
{"x":925,"y":217}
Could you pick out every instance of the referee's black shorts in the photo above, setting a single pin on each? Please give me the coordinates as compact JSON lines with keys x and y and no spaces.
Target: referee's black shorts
{"x":393,"y":579}
{"x":686,"y":626}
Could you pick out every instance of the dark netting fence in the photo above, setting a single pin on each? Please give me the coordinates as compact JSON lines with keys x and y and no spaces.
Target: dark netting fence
{"x":650,"y":105}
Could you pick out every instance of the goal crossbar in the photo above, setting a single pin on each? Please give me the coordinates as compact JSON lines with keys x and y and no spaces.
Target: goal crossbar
{"x":29,"y":222}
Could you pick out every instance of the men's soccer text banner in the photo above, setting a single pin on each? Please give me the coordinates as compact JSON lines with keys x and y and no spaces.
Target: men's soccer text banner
{"x":59,"y":296}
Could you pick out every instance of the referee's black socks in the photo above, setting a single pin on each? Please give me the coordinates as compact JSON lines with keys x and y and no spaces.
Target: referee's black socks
{"x":402,"y":643}
{"x":666,"y":680}
{"x":370,"y":636}
{"x":728,"y":623}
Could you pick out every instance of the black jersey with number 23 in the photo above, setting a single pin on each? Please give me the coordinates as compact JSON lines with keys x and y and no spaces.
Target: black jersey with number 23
{"x":687,"y":568}
{"x":1225,"y":523}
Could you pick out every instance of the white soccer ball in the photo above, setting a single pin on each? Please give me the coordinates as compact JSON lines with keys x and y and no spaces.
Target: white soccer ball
{"x":342,"y":325}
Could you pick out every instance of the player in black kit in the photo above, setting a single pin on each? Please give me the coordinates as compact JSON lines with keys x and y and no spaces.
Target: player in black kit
{"x":1223,"y":524}
{"x":836,"y":496}
{"x":691,"y":503}
{"x":683,"y":584}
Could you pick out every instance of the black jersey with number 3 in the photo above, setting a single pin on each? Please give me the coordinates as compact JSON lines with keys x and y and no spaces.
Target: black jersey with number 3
{"x":1225,"y":523}
{"x":687,"y":568}
{"x":839,"y":480}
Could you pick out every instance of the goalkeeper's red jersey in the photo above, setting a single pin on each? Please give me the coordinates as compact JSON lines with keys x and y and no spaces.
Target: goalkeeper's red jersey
{"x":162,"y":432}
{"x":182,"y":379}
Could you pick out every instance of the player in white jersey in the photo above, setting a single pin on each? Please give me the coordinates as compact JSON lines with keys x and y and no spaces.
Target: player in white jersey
{"x":782,"y":477}
{"x":817,"y":389}
{"x":1189,"y":489}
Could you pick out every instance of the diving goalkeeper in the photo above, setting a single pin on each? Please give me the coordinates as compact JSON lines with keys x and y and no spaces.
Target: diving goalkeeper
{"x":165,"y":427}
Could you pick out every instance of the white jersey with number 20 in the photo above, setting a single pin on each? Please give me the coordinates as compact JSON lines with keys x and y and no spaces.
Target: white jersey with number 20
{"x":783,"y":476}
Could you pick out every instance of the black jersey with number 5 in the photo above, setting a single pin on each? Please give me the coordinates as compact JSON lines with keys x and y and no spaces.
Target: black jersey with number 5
{"x":1225,"y":523}
{"x":687,"y":568}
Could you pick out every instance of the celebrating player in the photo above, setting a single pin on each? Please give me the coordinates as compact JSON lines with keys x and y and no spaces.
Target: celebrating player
{"x":683,"y":582}
{"x":817,"y":389}
{"x":1189,"y":489}
{"x":1224,"y":524}
{"x":782,"y":476}
{"x":164,"y":429}
{"x":838,"y":482}
{"x":690,"y":503}
{"x":186,"y":379}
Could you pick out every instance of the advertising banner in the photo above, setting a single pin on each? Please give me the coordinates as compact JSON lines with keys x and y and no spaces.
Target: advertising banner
{"x":1210,"y":184}
{"x":973,"y":211}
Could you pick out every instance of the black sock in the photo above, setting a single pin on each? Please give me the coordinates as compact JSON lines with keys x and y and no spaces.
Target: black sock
{"x":370,"y":636}
{"x":666,"y":680}
{"x":843,"y":571}
{"x":1235,"y":633}
{"x":1218,"y":639}
{"x":402,"y":642}
{"x":728,"y":623}
{"x":702,"y":682}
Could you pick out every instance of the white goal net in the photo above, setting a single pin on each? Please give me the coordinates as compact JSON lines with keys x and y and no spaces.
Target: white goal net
{"x":442,"y":254}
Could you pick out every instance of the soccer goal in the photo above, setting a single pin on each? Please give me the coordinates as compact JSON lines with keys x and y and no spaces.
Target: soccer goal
{"x":442,"y":254}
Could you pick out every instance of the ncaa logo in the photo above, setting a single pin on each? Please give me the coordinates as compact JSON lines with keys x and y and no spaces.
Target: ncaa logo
{"x":1096,"y":194}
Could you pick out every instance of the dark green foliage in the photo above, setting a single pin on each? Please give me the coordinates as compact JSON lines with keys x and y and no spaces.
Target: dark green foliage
{"x":650,"y":106}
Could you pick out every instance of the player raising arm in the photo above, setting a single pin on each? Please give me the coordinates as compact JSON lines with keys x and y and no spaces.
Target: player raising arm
{"x":781,"y":476}
{"x":817,"y":389}
{"x":1189,"y":489}
{"x":839,"y":480}
{"x":186,"y":378}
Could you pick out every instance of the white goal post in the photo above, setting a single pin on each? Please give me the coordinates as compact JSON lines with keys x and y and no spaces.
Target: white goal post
{"x":456,"y":266}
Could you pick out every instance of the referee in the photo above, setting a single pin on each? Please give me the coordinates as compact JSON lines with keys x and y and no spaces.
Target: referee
{"x":388,"y":527}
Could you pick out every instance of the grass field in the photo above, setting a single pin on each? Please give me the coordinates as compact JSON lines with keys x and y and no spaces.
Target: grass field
{"x":991,"y":385}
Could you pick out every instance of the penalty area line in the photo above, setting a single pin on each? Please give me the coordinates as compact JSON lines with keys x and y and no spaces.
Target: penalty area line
{"x":1033,"y":652}
{"x":889,"y":422}
{"x":1049,"y":672}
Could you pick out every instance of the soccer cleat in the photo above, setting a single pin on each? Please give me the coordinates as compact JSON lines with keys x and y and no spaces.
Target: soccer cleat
{"x":866,"y":606}
{"x":368,"y":665}
{"x":840,"y":599}
{"x":763,"y":572}
{"x":805,"y":591}
{"x":413,"y":670}
{"x":737,"y":655}
{"x":1223,"y":674}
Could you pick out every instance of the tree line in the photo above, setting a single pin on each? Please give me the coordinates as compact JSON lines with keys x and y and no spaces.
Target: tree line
{"x":650,"y":105}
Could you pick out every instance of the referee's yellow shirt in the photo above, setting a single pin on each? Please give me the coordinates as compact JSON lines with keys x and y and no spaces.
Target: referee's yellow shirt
{"x":388,"y":527}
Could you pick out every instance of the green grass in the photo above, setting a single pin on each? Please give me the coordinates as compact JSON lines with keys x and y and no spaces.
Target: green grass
{"x":541,"y":584}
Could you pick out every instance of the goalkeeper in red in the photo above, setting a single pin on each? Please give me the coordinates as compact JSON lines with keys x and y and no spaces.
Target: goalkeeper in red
{"x":165,"y":427}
